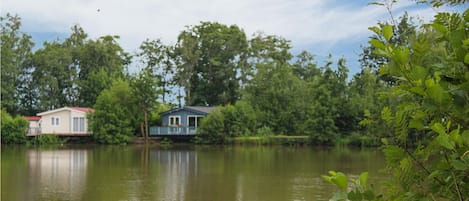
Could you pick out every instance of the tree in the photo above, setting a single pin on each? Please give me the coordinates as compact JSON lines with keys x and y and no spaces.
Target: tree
{"x":366,"y":103}
{"x":145,"y":92}
{"x":105,"y":55}
{"x":305,"y":68}
{"x":113,"y":119}
{"x":404,"y":30}
{"x":15,"y":60}
{"x":208,"y":57}
{"x":274,"y":92}
{"x":158,"y":57}
{"x":53,"y":76}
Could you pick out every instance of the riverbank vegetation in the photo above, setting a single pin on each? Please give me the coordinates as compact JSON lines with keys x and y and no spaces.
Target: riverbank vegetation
{"x":260,"y":87}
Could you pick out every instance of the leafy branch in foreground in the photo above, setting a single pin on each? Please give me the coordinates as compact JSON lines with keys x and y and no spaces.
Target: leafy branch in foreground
{"x":360,"y":188}
{"x":428,"y":151}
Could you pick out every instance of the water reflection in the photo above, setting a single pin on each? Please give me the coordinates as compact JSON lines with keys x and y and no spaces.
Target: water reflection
{"x":176,"y":166}
{"x":179,"y":173}
{"x":57,"y":174}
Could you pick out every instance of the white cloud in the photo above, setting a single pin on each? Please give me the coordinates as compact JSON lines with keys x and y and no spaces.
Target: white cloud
{"x":305,"y":22}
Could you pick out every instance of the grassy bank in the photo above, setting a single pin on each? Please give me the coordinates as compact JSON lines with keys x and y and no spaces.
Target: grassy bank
{"x":270,"y":140}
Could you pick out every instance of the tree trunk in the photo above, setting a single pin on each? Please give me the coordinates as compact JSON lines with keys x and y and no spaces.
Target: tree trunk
{"x":142,"y":130}
{"x":146,"y":127}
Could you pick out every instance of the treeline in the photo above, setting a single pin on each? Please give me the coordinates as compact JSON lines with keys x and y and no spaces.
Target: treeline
{"x":260,"y":86}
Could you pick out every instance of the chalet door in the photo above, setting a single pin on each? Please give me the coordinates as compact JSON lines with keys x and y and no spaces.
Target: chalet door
{"x":192,"y":121}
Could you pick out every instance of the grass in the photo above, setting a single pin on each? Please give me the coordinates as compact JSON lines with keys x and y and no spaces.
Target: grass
{"x":270,"y":140}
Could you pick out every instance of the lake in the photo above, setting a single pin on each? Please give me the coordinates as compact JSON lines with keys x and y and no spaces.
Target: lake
{"x":181,"y":172}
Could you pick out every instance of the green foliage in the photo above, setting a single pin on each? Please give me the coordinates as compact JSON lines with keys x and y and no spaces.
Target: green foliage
{"x":360,"y":189}
{"x":49,"y":139}
{"x":145,"y":93}
{"x":229,"y":121}
{"x":166,"y":142}
{"x":16,"y":54}
{"x":427,"y":152}
{"x":66,"y":72}
{"x":13,"y":129}
{"x":158,"y":57}
{"x":264,"y":131}
{"x":114,"y":116}
{"x":212,"y":127}
{"x":209,"y":56}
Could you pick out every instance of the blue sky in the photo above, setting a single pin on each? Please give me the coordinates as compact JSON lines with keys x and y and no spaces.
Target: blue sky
{"x":322,"y":27}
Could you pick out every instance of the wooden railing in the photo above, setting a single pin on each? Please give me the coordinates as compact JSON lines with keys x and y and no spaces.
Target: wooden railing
{"x":172,"y":130}
{"x":33,"y":131}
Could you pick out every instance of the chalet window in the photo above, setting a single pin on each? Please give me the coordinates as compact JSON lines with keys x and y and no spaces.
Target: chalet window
{"x":174,"y":120}
{"x":55,"y":121}
{"x":78,"y":124}
{"x":75,"y":124}
{"x":194,"y":121}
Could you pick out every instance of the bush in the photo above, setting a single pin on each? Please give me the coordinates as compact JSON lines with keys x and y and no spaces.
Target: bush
{"x":265,"y":131}
{"x":227,"y":122}
{"x":357,"y":139}
{"x":112,"y":121}
{"x":50,"y":139}
{"x":212,"y":127}
{"x":13,"y":129}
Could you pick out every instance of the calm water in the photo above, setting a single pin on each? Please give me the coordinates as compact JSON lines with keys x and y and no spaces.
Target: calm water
{"x":189,"y":173}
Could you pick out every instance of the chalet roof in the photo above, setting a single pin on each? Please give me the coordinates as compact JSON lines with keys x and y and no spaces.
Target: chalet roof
{"x":195,"y":109}
{"x":81,"y":109}
{"x":32,"y":118}
{"x":200,"y":108}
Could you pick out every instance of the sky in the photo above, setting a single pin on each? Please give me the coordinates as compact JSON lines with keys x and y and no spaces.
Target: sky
{"x":322,"y":27}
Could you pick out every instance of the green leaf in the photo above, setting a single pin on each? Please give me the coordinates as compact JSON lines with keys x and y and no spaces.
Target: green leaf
{"x":465,"y":137}
{"x":339,"y":196}
{"x":386,"y":115}
{"x":417,"y":90}
{"x":466,"y":58}
{"x":376,"y":3}
{"x":444,"y":141}
{"x":416,"y":123}
{"x":401,"y":54}
{"x":377,"y":44}
{"x":368,"y":195}
{"x":418,"y":73}
{"x":374,"y":29}
{"x":438,"y":94}
{"x":393,"y":154}
{"x":363,"y":179}
{"x":341,"y":181}
{"x":438,"y":128}
{"x":455,"y":137}
{"x":434,"y":174}
{"x":440,"y":28}
{"x":387,"y":32}
{"x":465,"y":44}
{"x":459,"y":165}
{"x":355,"y":195}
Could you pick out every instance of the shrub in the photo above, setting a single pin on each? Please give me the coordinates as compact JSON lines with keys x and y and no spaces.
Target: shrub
{"x":50,"y":139}
{"x":13,"y":129}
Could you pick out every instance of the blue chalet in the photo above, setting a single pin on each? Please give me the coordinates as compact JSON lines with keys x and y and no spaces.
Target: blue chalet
{"x":181,"y":121}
